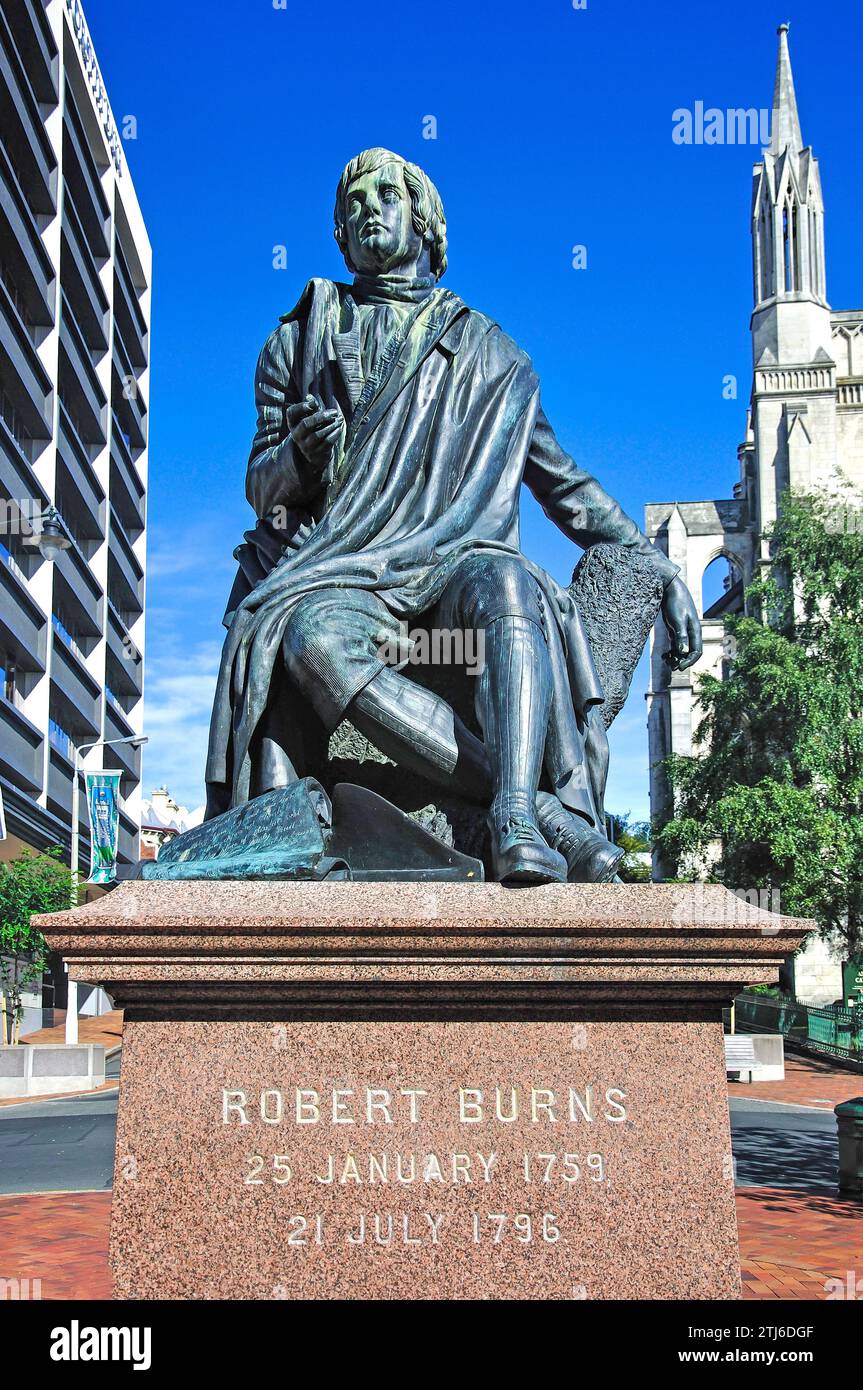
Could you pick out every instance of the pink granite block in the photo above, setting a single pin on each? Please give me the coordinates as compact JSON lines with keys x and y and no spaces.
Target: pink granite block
{"x":610,"y":1176}
{"x":425,"y":1091}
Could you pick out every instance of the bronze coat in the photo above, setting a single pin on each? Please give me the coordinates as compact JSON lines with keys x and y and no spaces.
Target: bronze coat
{"x":435,"y":452}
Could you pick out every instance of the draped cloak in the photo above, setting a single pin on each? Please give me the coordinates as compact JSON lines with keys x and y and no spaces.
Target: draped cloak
{"x":437,"y":443}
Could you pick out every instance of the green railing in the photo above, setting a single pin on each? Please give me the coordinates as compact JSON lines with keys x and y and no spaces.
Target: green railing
{"x":834,"y":1030}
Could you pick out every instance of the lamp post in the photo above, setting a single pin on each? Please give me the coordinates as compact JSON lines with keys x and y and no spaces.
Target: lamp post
{"x":51,"y":537}
{"x":49,"y":534}
{"x":135,"y":741}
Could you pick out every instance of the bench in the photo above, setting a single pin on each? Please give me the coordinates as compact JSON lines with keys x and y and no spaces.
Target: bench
{"x":755,"y":1056}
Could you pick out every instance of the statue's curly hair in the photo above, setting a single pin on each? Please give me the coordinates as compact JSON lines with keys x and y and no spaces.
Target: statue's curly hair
{"x":427,"y":213}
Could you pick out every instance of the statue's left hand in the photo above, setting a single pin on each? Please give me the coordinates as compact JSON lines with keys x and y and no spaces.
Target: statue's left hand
{"x":683,"y":625}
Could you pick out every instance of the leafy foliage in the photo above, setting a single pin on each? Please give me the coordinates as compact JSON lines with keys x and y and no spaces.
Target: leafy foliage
{"x":29,"y":884}
{"x":634,"y":837}
{"x":779,"y":783}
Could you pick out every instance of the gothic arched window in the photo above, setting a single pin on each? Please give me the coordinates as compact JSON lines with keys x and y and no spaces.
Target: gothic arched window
{"x":764,"y":257}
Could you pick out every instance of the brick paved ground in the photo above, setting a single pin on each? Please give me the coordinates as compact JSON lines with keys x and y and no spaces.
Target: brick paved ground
{"x":106,"y":1029}
{"x":60,"y":1238}
{"x":808,"y":1081}
{"x":791,"y":1243}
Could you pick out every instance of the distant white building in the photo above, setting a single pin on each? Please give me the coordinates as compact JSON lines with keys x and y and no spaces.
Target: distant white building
{"x":162,"y":819}
{"x":804,"y":428}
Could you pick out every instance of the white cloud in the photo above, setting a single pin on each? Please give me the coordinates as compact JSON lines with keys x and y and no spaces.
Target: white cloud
{"x":195,"y":551}
{"x":179,"y":691}
{"x":189,"y":575}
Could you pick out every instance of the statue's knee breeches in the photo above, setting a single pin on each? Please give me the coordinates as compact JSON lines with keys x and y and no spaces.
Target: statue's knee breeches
{"x":488,"y":586}
{"x":331,"y":647}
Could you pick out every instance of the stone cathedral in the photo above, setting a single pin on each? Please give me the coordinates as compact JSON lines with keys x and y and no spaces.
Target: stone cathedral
{"x":805,"y":422}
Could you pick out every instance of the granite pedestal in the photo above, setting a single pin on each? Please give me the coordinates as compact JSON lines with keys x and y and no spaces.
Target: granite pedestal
{"x":342,"y":1090}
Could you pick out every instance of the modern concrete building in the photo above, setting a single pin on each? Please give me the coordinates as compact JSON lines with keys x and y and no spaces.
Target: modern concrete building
{"x":74,"y":383}
{"x":804,"y":427}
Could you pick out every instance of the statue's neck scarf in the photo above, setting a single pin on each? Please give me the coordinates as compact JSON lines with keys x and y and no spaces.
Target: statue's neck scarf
{"x":384,"y":289}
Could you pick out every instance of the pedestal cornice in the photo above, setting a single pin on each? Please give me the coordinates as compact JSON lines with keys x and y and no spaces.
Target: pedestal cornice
{"x":250,"y":950}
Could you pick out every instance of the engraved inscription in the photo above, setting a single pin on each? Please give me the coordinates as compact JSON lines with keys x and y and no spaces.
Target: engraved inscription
{"x":493,"y":1114}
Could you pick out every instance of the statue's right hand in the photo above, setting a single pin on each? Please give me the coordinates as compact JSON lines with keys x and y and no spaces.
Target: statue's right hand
{"x":314,"y":431}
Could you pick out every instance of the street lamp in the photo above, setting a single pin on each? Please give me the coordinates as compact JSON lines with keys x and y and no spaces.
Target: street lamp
{"x":135,"y":741}
{"x":49,"y":534}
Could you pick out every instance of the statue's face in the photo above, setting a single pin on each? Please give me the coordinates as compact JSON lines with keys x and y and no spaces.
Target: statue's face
{"x":378,"y":224}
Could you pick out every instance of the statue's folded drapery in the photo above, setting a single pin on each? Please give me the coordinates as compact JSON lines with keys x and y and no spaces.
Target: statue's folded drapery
{"x":437,"y":446}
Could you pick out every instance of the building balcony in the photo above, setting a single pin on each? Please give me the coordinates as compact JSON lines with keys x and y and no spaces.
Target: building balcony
{"x":23,"y":625}
{"x":120,"y":701}
{"x":77,"y":592}
{"x":119,"y":723}
{"x":23,"y":246}
{"x":127,"y":314}
{"x":17,"y":478}
{"x":121,"y":756}
{"x":74,"y":694}
{"x":81,"y":283}
{"x":124,"y":671}
{"x":20,"y":748}
{"x":127,"y":399}
{"x":129,"y":837}
{"x":125,"y":575}
{"x":127,"y":491}
{"x":24,"y":379}
{"x":35,"y":824}
{"x":35,"y":43}
{"x":80,"y":383}
{"x":80,"y":488}
{"x":128,"y":840}
{"x":60,"y":774}
{"x":79,"y":569}
{"x":22,"y":128}
{"x":82,"y":176}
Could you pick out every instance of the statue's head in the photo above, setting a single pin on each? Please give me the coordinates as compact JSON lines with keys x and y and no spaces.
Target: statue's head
{"x":388,"y":214}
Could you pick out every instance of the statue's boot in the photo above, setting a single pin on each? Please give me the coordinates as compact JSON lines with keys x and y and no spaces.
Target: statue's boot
{"x":513,"y":704}
{"x":590,"y":857}
{"x":422,"y":733}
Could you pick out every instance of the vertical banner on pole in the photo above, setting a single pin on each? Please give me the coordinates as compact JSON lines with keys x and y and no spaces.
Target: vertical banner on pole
{"x":2,"y":817}
{"x":103,"y":805}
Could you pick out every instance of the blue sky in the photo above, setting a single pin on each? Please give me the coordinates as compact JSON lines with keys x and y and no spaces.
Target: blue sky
{"x":553,"y":130}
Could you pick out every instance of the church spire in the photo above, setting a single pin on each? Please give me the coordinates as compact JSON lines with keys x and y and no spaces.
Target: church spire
{"x":785,"y":129}
{"x":788,"y":234}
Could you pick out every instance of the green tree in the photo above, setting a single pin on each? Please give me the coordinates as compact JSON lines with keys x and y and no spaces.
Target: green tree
{"x":29,"y":884}
{"x":778,"y":787}
{"x":634,"y":837}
